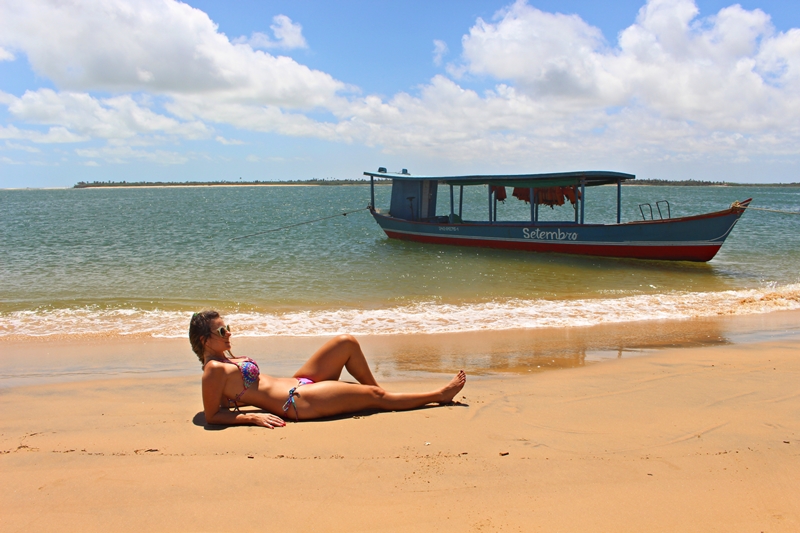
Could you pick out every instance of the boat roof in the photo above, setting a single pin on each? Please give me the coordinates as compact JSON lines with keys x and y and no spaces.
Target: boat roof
{"x":589,"y":178}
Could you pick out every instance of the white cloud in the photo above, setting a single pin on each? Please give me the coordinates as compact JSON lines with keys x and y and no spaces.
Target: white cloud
{"x":54,"y":135}
{"x":671,"y":87}
{"x":125,"y":154}
{"x":5,"y":55}
{"x":674,"y":87}
{"x":500,"y":124}
{"x":707,"y":71}
{"x":544,"y":54}
{"x":253,"y":118}
{"x":439,"y":51}
{"x":161,"y":46}
{"x":22,"y":147}
{"x":288,"y":35}
{"x":222,"y":140}
{"x":118,"y":117}
{"x":727,"y":71}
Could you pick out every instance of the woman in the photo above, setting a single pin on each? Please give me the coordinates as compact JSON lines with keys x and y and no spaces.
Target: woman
{"x":313,"y":392}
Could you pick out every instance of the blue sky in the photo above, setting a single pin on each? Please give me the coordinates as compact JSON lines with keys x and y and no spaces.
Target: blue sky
{"x":158,"y":90}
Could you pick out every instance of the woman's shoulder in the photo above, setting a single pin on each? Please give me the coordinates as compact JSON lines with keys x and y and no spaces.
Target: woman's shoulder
{"x":214,"y":367}
{"x":237,"y":360}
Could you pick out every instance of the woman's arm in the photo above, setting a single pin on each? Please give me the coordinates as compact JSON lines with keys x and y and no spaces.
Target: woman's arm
{"x":214,"y":378}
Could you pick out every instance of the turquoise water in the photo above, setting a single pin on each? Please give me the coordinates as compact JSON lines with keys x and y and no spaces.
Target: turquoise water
{"x":140,"y":260}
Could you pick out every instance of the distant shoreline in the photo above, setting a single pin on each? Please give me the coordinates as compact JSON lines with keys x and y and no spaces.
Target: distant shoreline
{"x":302,"y":183}
{"x":700,"y":183}
{"x":140,"y":184}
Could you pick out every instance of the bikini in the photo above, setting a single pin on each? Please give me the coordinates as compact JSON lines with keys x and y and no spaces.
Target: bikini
{"x":292,"y":393}
{"x":250,"y":373}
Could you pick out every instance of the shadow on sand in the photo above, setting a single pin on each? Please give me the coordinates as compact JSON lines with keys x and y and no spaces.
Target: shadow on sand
{"x":200,"y":418}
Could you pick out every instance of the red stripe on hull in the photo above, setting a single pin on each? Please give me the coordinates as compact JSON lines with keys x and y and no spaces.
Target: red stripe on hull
{"x":667,"y":253}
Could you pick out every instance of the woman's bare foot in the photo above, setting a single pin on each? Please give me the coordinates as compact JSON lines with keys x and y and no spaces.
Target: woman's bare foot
{"x":454,"y":387}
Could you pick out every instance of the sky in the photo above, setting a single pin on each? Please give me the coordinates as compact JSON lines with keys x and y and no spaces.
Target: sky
{"x":208,"y":90}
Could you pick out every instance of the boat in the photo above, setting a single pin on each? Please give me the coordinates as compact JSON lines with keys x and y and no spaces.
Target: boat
{"x":412,"y":216}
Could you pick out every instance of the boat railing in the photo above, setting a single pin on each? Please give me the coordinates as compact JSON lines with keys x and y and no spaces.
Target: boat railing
{"x":658,"y":208}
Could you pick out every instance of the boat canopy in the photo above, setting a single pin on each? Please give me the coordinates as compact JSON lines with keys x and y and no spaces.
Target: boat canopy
{"x":589,"y":178}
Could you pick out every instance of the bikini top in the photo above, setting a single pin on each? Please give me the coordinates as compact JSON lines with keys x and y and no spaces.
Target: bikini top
{"x":250,"y":373}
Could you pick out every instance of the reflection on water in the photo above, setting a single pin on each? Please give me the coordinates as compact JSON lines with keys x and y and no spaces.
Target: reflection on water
{"x":528,"y":351}
{"x":524,"y":351}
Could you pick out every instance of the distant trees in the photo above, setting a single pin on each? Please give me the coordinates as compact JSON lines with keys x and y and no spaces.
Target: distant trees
{"x":237,"y":183}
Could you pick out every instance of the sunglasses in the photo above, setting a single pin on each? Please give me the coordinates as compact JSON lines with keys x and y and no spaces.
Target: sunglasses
{"x":222,"y":329}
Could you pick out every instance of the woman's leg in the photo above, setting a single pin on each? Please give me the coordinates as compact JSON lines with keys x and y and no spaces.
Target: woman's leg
{"x":340,"y":352}
{"x":329,"y":398}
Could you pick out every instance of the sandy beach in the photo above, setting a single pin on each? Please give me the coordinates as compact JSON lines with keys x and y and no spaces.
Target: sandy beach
{"x":700,"y":436}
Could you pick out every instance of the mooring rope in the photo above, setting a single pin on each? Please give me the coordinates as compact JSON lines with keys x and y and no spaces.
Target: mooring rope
{"x":299,"y":224}
{"x":775,"y":210}
{"x":737,"y":204}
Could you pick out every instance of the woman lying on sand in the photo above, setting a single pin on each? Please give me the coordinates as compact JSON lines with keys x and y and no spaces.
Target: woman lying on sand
{"x":314,"y":392}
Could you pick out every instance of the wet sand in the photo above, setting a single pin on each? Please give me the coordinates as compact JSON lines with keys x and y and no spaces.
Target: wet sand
{"x":670,"y":427}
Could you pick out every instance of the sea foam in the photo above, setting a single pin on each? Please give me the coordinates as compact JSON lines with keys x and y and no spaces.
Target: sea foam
{"x":421,"y":317}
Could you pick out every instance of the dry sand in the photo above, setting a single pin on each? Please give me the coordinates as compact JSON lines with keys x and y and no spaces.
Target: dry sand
{"x":699,"y":438}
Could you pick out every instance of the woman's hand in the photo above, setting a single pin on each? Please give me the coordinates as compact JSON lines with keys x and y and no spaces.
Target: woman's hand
{"x":267,"y":420}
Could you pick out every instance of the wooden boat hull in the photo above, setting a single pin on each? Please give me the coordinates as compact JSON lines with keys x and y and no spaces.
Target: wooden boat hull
{"x":695,"y":238}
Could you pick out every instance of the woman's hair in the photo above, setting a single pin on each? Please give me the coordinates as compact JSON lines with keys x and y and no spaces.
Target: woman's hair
{"x":199,"y":331}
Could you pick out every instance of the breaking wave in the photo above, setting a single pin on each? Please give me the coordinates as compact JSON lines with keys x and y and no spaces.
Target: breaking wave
{"x":418,"y":318}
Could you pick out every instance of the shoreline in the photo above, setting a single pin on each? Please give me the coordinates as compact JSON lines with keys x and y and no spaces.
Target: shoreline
{"x":696,"y":417}
{"x":642,"y":183}
{"x":394,"y":357}
{"x":410,"y":318}
{"x":181,"y":185}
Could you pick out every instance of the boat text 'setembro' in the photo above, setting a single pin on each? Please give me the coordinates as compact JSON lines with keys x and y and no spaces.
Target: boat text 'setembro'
{"x":412,"y":217}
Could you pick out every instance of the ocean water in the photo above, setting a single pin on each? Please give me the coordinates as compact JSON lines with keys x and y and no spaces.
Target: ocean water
{"x":139,"y":261}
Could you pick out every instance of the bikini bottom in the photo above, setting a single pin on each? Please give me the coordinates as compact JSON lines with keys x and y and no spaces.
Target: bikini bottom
{"x":292,"y":393}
